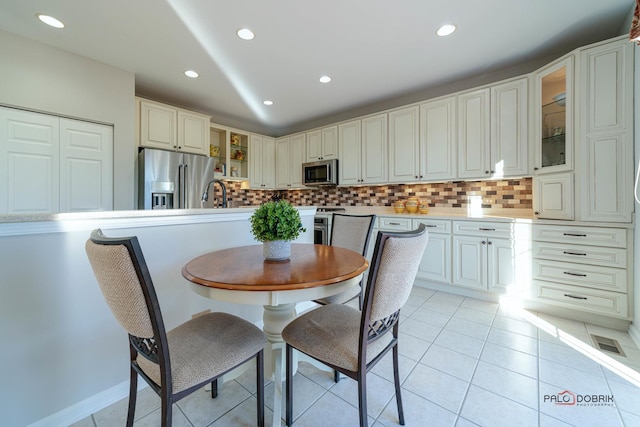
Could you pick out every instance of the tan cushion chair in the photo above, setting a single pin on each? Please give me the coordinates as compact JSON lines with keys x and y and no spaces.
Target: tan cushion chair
{"x":350,"y":232}
{"x":352,"y":341}
{"x":183,"y":360}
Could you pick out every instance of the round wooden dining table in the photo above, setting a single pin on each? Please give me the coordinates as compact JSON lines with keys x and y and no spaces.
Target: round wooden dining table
{"x":241,"y":275}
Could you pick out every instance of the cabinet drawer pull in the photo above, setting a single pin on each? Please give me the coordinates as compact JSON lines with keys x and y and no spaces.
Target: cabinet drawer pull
{"x":486,"y":229}
{"x":574,"y":296}
{"x":394,"y":223}
{"x":575,"y":235}
{"x":431,"y":226}
{"x":574,"y":253}
{"x":574,"y":274}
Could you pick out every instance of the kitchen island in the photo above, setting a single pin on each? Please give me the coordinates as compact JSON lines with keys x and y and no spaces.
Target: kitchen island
{"x":64,"y":355}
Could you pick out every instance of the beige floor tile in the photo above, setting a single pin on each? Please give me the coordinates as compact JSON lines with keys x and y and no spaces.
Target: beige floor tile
{"x":517,"y":361}
{"x":330,"y":410}
{"x":116,"y":414}
{"x":384,"y":368}
{"x":480,"y":305}
{"x":202,"y":410}
{"x":416,"y":410}
{"x":305,"y":393}
{"x":467,"y":327}
{"x":514,"y":341}
{"x":449,"y":361}
{"x":418,"y":329}
{"x":488,"y":409}
{"x":438,"y":387}
{"x":460,"y":343}
{"x":379,"y":393}
{"x":508,"y":384}
{"x":244,"y":415}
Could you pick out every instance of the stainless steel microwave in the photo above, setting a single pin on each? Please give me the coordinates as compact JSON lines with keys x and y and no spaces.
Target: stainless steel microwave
{"x":322,"y":172}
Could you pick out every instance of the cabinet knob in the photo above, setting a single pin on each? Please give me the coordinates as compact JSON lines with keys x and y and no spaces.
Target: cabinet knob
{"x":484,"y":242}
{"x":535,"y":169}
{"x":489,"y":242}
{"x":416,"y":177}
{"x":487,"y":172}
{"x":420,"y":176}
{"x":536,"y":213}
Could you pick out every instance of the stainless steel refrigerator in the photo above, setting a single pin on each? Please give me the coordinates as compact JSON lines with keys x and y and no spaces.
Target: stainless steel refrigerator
{"x":171,"y":180}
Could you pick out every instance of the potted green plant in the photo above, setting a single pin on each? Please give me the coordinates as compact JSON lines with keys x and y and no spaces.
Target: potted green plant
{"x":275,"y":224}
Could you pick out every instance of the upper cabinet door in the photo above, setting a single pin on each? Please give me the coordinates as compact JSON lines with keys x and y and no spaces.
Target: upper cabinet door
{"x":509,"y":117}
{"x":553,"y":117}
{"x":474,"y":134}
{"x":350,"y":153}
{"x":438,"y":140}
{"x":330,"y":143}
{"x":404,"y":150}
{"x":374,"y":149}
{"x":283,"y":169}
{"x":605,"y":140}
{"x":193,"y":133}
{"x":296,"y":159}
{"x":158,"y":125}
{"x":314,"y":146}
{"x":606,"y":73}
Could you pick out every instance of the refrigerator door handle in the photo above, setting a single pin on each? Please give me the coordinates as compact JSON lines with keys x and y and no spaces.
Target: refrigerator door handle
{"x":180,"y":188}
{"x":185,"y":183}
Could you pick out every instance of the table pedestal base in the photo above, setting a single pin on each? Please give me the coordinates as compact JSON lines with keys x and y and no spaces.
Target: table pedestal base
{"x":275,"y":319}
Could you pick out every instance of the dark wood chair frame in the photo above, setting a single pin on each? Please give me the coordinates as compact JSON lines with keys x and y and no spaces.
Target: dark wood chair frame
{"x":157,"y":349}
{"x":368,"y":334}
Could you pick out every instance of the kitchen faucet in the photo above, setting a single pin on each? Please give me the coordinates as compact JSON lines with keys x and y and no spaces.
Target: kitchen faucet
{"x":205,"y":195}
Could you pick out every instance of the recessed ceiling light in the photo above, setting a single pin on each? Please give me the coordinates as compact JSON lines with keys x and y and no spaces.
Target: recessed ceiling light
{"x":267,"y":102}
{"x":324,"y":79}
{"x":245,"y":34}
{"x":50,"y":20}
{"x":445,"y":30}
{"x":191,"y":73}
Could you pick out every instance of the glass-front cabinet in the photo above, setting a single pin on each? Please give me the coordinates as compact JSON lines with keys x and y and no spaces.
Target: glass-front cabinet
{"x":230,"y":150}
{"x":554,"y":110}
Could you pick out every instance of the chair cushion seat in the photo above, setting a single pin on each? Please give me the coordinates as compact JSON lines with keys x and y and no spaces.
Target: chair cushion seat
{"x":352,"y":293}
{"x":205,"y":347}
{"x":331,"y":334}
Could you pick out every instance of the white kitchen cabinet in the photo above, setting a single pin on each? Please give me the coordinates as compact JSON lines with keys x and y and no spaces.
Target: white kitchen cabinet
{"x":322,"y":144}
{"x":289,"y":158}
{"x":404,"y":131}
{"x":492,"y":131}
{"x":606,"y":132}
{"x":553,"y":117}
{"x":492,"y":257}
{"x":437,"y":155}
{"x":553,"y":196}
{"x":171,"y":128}
{"x":435,"y":265}
{"x":262,"y":162}
{"x":51,"y":164}
{"x":362,"y":146}
{"x":582,"y":268}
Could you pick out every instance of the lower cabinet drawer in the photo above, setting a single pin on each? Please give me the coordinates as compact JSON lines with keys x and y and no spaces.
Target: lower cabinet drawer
{"x":606,"y":278}
{"x":594,"y":236}
{"x":595,"y":255}
{"x":391,"y":223}
{"x":433,"y":225}
{"x":592,"y":300}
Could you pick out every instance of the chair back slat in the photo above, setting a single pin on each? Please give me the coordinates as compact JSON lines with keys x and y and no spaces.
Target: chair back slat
{"x":116,"y":274}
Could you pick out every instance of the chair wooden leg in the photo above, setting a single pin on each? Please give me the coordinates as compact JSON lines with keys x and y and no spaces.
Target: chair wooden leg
{"x":396,"y":379}
{"x":260,"y":387}
{"x":214,"y":388}
{"x":133,"y":393}
{"x":362,"y":399}
{"x":289,"y":386}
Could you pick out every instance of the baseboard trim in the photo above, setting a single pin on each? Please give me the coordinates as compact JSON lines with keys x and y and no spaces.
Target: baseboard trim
{"x":634,"y":333}
{"x":90,"y":405}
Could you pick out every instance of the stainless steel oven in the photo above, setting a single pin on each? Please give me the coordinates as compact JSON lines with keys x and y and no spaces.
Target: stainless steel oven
{"x":321,"y":230}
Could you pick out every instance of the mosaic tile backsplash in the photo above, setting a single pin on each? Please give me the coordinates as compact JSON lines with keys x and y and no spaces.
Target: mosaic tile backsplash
{"x":507,"y":194}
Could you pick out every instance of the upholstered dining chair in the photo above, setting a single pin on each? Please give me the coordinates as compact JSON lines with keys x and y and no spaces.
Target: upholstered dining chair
{"x":350,"y":232}
{"x":178,"y":362}
{"x":352,"y":341}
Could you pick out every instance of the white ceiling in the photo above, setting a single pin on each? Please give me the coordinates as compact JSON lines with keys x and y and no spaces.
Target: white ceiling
{"x":376,"y":51}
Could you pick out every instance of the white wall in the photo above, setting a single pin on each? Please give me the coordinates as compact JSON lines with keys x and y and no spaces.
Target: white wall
{"x":38,"y":77}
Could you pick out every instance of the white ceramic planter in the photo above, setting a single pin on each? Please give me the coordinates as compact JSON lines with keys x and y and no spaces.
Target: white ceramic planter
{"x":276,"y":250}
